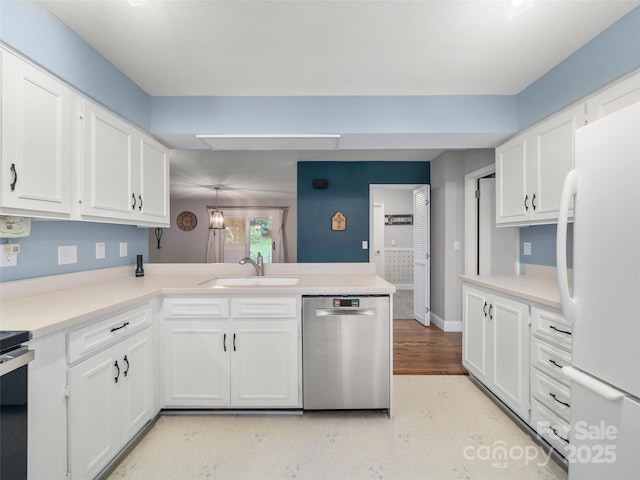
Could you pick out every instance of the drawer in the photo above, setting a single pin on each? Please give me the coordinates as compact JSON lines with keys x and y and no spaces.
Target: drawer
{"x":550,"y":427}
{"x":549,"y":359}
{"x":196,"y":307}
{"x":552,"y":327}
{"x":553,"y":394}
{"x":264,"y":307}
{"x":88,"y":340}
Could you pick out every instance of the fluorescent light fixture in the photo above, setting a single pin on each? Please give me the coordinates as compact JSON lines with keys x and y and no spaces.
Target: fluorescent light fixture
{"x":271,"y":142}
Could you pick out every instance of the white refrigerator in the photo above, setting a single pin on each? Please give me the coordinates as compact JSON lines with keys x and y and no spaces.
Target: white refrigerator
{"x":604,"y":305}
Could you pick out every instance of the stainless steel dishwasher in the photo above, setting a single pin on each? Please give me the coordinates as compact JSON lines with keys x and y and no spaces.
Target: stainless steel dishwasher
{"x":346,"y":352}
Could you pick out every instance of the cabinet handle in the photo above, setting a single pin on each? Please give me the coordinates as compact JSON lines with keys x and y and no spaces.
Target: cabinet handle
{"x":490,"y":312}
{"x":140,"y":198}
{"x":533,"y":201}
{"x":117,"y":374}
{"x":558,"y":435}
{"x":15,"y":176}
{"x":553,"y":362}
{"x":553,"y":395}
{"x":133,"y":196}
{"x":224,"y":342}
{"x":484,"y":309}
{"x":114,"y":329}
{"x":558,"y":330}
{"x":526,"y":203}
{"x":234,"y":342}
{"x":126,"y":360}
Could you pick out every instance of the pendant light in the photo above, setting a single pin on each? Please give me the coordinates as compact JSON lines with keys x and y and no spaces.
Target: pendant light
{"x":216,"y":220}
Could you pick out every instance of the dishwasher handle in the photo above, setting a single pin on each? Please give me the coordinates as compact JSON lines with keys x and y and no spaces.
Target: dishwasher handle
{"x":328,"y":312}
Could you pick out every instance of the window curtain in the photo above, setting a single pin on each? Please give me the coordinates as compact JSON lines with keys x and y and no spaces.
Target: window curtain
{"x":214,"y":243}
{"x":281,"y":238}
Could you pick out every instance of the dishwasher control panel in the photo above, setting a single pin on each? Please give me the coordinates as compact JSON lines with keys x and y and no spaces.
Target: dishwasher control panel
{"x":346,"y":302}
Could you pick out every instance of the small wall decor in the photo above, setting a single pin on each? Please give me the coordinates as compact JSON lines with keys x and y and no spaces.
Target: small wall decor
{"x":186,"y":221}
{"x":398,"y":219}
{"x":338,"y":222}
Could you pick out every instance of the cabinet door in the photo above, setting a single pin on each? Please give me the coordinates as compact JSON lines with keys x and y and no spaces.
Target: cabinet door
{"x":36,"y":140}
{"x":137,"y":384}
{"x":264,"y":363}
{"x":512,"y":199}
{"x":554,"y":157}
{"x":510,"y":360}
{"x":617,"y":96}
{"x":93,"y":413}
{"x":475,"y":337}
{"x":107,"y":160}
{"x":196,"y":363}
{"x":153,"y":196}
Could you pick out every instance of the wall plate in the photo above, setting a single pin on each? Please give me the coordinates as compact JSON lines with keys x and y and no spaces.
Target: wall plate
{"x":13,"y":227}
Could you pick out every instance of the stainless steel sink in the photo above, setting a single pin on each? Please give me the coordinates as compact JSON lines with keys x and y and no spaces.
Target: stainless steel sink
{"x":250,"y":282}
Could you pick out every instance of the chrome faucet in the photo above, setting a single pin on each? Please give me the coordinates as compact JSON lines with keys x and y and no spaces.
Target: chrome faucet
{"x":258,"y":266}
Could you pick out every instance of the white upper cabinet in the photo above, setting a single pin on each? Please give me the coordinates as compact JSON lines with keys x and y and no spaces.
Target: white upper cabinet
{"x":617,"y":96}
{"x":531,"y":167}
{"x":36,"y":141}
{"x":125,"y":173}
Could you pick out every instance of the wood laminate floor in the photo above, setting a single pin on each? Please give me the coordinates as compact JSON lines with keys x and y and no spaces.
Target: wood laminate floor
{"x":420,"y":350}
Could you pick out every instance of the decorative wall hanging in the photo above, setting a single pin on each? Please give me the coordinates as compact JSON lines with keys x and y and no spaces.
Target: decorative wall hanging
{"x":186,"y":221}
{"x":398,"y":219}
{"x":338,"y":222}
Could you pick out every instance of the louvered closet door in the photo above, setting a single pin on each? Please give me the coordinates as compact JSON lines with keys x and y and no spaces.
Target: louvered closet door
{"x":421,"y":254}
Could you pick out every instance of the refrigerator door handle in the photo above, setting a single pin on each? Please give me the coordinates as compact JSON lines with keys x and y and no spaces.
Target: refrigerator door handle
{"x":569,"y":189}
{"x":590,"y":383}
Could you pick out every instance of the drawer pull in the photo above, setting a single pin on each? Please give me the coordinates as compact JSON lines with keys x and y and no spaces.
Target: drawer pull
{"x":115,"y":329}
{"x":484,"y":309}
{"x":553,"y":362}
{"x":553,"y":395}
{"x":558,"y":330}
{"x":234,"y":342}
{"x":126,"y":360}
{"x":224,"y":342}
{"x":555,"y":432}
{"x":133,"y":205}
{"x":118,"y":371}
{"x":15,"y":177}
{"x":491,"y":312}
{"x":526,"y":203}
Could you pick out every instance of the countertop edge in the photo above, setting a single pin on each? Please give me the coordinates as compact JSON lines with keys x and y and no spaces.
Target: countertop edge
{"x":540,"y":290}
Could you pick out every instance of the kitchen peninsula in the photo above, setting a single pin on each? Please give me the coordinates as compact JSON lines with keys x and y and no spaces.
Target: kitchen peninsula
{"x":117,"y":349}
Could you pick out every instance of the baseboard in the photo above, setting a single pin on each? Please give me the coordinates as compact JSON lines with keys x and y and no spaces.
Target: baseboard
{"x":445,"y":325}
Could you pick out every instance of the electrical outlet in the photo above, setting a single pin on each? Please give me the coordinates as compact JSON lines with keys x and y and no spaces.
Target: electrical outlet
{"x":9,"y":260}
{"x":527,"y":248}
{"x":123,"y":249}
{"x":67,"y":254}
{"x":365,"y":244}
{"x":100,"y":250}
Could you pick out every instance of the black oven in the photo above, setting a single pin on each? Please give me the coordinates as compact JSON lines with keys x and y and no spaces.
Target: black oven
{"x":14,"y":358}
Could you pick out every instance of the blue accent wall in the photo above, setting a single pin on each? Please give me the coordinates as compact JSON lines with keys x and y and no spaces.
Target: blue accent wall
{"x":543,"y":245}
{"x":39,"y":251}
{"x":348,"y":192}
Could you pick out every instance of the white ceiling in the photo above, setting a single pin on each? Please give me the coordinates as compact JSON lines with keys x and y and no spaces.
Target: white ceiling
{"x":326,"y":47}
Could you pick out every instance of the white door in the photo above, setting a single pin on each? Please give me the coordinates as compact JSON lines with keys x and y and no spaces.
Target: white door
{"x":376,"y":253}
{"x":421,"y":254}
{"x":512,"y":200}
{"x":475,"y":338}
{"x":153,"y":196}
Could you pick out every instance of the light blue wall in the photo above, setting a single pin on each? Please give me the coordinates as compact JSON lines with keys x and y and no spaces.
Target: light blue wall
{"x":543,"y":245}
{"x":38,"y":34}
{"x":39,"y":251}
{"x":348,"y":114}
{"x":609,"y":55}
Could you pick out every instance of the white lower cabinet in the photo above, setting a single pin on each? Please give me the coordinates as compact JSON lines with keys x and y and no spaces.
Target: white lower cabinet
{"x":496,"y":345}
{"x":232,"y":353}
{"x":110,"y":395}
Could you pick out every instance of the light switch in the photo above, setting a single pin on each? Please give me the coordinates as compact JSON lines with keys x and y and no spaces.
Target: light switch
{"x":67,"y":254}
{"x":365,"y":244}
{"x":527,"y":248}
{"x":100,"y":250}
{"x":123,"y":249}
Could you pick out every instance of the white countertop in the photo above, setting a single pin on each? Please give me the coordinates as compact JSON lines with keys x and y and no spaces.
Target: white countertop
{"x":542,"y":289}
{"x":52,"y":311}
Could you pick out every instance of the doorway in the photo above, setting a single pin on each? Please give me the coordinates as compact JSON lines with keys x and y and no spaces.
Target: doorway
{"x":399,"y":236}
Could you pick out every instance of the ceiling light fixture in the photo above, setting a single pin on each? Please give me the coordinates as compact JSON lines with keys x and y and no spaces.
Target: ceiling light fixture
{"x":216,"y":219}
{"x":136,"y":3}
{"x":518,"y":7}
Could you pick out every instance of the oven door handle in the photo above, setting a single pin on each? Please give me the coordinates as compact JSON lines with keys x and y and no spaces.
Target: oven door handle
{"x":11,"y":361}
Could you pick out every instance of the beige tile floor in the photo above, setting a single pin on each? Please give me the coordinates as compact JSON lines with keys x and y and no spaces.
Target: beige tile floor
{"x":443,"y":428}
